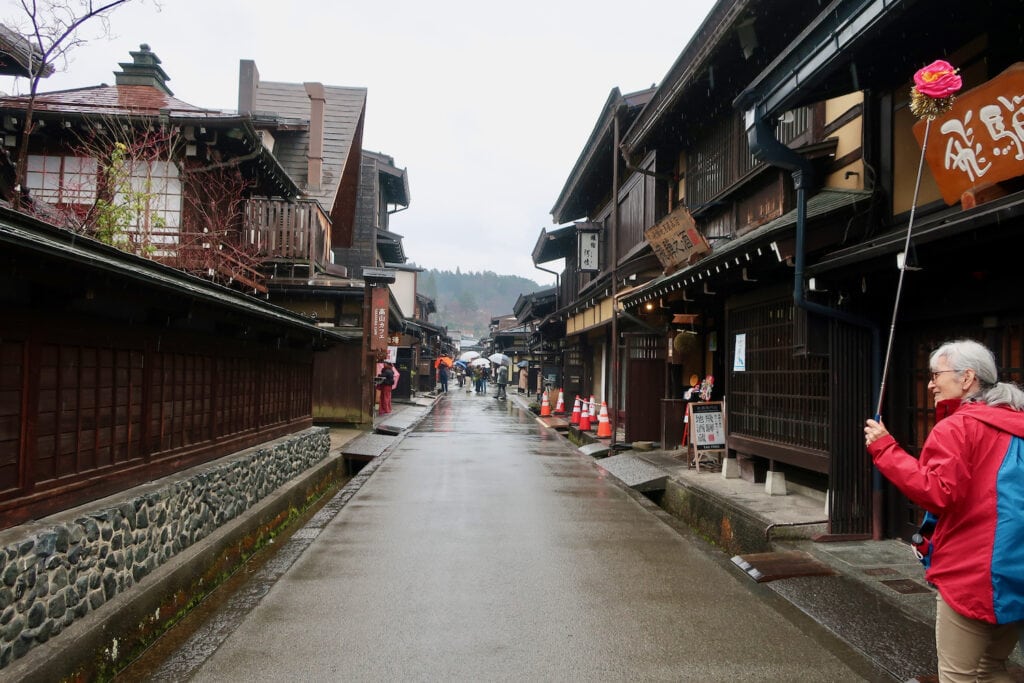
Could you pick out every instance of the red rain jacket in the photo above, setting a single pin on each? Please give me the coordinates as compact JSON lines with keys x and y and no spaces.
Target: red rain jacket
{"x":970,"y":474}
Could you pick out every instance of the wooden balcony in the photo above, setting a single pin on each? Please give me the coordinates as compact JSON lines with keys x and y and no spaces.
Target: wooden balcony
{"x":295,"y":233}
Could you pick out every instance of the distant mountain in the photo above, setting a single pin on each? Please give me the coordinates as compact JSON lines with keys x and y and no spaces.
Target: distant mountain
{"x":466,"y":302}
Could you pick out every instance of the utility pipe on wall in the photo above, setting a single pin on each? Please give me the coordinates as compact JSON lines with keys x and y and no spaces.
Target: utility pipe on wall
{"x":765,"y":146}
{"x":613,"y":394}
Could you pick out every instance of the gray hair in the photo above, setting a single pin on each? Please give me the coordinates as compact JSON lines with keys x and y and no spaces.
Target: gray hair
{"x":967,"y":354}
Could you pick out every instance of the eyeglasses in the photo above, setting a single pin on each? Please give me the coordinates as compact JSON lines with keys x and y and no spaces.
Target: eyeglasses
{"x":936,"y":373}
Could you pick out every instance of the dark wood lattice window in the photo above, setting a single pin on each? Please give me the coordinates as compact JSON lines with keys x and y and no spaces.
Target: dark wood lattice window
{"x":90,"y":409}
{"x":11,"y":363}
{"x":779,"y":397}
{"x":721,"y":157}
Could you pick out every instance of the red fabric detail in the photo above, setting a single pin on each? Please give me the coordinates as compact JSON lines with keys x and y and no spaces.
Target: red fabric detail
{"x":955,"y":478}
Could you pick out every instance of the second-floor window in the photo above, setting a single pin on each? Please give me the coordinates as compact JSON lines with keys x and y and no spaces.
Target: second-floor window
{"x":721,"y":156}
{"x":62,"y":179}
{"x":154,"y":192}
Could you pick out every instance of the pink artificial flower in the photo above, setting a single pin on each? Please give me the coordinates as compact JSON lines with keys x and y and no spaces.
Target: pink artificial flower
{"x":938,"y":79}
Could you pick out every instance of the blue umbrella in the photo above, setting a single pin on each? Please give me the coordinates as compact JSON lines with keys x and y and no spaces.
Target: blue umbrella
{"x":460,"y":363}
{"x":523,"y":364}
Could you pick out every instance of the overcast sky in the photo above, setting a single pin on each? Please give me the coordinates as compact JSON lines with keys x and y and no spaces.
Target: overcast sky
{"x":488,"y":105}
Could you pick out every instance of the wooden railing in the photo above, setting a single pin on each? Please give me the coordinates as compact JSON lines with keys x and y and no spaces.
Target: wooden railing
{"x":293,"y":231}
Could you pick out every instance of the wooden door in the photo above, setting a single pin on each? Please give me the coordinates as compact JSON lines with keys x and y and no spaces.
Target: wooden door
{"x":646,"y":355}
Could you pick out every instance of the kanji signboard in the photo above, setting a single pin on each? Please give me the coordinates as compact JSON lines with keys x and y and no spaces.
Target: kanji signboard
{"x":676,"y":239}
{"x":379,"y":318}
{"x":589,"y":253}
{"x":981,"y":139}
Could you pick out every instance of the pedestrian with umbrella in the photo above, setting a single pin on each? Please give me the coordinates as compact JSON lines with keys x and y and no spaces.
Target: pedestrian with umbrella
{"x":524,"y":376}
{"x":442,"y":376}
{"x":502,"y":380}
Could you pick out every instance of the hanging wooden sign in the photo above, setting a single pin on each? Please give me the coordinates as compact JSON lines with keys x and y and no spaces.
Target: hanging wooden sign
{"x":675,"y":240}
{"x":980,"y":141}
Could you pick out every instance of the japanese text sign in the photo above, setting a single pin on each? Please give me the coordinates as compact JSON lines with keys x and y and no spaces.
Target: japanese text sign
{"x":676,"y":239}
{"x":589,"y":255}
{"x":708,"y":427}
{"x":981,"y":139}
{"x":379,"y":301}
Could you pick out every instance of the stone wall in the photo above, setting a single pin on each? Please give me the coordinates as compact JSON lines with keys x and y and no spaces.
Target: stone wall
{"x":61,"y":569}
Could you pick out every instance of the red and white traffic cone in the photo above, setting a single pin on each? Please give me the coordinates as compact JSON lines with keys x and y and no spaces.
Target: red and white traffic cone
{"x":585,"y":418}
{"x":575,"y":419}
{"x":593,"y":413}
{"x":604,"y":425}
{"x":560,"y":404}
{"x":545,"y":406}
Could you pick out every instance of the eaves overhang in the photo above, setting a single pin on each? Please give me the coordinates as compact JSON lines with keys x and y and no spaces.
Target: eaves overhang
{"x":19,"y":57}
{"x":390,"y":246}
{"x":18,"y":231}
{"x":942,"y":225}
{"x":554,"y":244}
{"x":795,"y":76}
{"x":692,"y":61}
{"x":736,"y":253}
{"x":591,"y":177}
{"x":395,"y":183}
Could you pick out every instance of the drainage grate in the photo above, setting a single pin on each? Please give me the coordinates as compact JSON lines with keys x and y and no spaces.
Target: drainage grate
{"x":763,"y":567}
{"x":906,"y":586}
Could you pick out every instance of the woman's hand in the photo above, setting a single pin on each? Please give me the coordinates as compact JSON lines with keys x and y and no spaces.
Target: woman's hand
{"x":873,"y":431}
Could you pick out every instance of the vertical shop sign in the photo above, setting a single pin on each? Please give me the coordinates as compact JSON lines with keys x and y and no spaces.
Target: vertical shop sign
{"x":589,"y":250}
{"x":379,"y":319}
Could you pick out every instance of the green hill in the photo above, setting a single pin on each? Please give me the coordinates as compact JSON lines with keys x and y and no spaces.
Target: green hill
{"x":467,"y":301}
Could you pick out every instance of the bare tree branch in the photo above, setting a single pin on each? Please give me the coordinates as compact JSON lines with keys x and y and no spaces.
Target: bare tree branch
{"x":53,"y":28}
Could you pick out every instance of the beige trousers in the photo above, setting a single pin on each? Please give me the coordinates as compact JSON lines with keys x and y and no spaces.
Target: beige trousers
{"x":970,"y":650}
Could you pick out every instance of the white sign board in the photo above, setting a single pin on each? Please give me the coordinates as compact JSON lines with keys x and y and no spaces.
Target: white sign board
{"x":739,"y":357}
{"x":589,"y":250}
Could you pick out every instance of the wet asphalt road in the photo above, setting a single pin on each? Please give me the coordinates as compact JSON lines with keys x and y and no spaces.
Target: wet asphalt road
{"x":485,"y":547}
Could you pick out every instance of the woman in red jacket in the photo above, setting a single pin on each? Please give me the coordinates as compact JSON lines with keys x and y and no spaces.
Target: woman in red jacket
{"x":971,"y":475}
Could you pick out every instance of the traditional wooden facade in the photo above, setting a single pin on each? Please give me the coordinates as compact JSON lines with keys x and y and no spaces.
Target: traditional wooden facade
{"x":316,"y":133}
{"x":115,"y":369}
{"x":792,"y":154}
{"x":960,"y":276}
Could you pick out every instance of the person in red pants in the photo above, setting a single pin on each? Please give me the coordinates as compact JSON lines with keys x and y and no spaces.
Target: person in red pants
{"x":387,"y":374}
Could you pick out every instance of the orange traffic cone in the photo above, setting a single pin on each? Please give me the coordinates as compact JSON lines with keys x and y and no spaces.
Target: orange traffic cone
{"x":575,"y":419}
{"x":545,"y":407}
{"x":560,"y":404}
{"x":585,"y":418}
{"x":593,"y":413}
{"x":604,"y":425}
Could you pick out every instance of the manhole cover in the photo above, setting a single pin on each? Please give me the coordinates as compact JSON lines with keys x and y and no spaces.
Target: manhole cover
{"x":763,"y":567}
{"x":906,"y":586}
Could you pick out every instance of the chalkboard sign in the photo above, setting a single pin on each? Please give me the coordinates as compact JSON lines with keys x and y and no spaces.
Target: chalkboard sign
{"x":707,"y":428}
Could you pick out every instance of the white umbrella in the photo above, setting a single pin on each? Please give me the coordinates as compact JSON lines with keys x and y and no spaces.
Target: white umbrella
{"x":468,"y":356}
{"x":481,"y":362}
{"x":499,"y":359}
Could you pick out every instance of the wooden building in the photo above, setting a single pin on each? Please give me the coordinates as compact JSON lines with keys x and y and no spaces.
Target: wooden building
{"x":116,"y":369}
{"x":780,"y":161}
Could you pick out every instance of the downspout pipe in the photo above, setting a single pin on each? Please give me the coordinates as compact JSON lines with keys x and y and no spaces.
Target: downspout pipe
{"x":561,"y":359}
{"x":556,"y":282}
{"x":767,"y":147}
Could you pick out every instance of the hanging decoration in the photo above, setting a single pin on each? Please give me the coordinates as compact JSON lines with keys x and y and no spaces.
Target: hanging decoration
{"x":933,"y":93}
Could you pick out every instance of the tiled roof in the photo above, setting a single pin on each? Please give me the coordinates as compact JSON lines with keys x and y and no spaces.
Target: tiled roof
{"x":115,"y":100}
{"x":18,"y":57}
{"x":342,"y":115}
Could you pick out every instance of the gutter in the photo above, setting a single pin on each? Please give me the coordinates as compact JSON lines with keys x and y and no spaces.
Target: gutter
{"x":765,"y":146}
